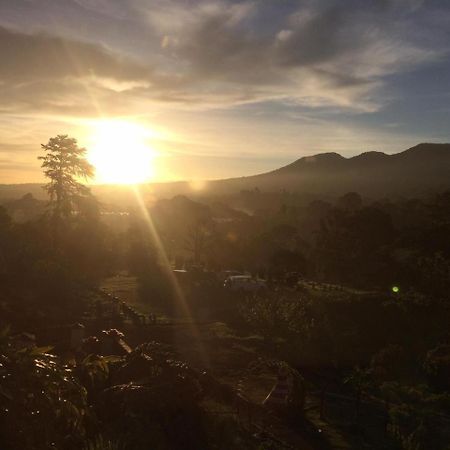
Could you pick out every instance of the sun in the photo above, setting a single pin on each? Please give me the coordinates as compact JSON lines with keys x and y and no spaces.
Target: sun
{"x":120,"y":152}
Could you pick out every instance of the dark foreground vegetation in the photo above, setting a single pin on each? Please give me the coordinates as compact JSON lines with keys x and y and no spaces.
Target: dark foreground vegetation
{"x":355,"y":311}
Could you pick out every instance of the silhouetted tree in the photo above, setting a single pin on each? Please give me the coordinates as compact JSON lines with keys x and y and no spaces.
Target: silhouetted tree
{"x":283,"y":260}
{"x":63,"y":164}
{"x":351,"y":201}
{"x":78,"y":244}
{"x":199,"y":239}
{"x":354,"y":247}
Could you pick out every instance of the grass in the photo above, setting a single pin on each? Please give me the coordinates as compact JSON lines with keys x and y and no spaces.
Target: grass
{"x":123,"y":286}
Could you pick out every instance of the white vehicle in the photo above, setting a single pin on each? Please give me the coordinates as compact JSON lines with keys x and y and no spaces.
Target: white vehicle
{"x":224,"y":274}
{"x":244,"y":283}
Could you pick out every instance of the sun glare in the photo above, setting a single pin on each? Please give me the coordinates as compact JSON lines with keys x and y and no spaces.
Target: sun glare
{"x":120,"y":152}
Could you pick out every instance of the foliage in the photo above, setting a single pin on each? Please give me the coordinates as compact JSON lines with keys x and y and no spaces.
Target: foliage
{"x":415,"y":416}
{"x":144,"y":262}
{"x":199,"y":239}
{"x":360,"y":379}
{"x":391,"y":363}
{"x":275,"y":316}
{"x":437,"y":366}
{"x":158,"y":395}
{"x":44,"y":262}
{"x":353,"y":247}
{"x":94,"y":371}
{"x":41,"y":403}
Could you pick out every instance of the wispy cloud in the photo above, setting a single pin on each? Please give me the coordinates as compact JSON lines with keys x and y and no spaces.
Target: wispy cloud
{"x":215,"y":53}
{"x":323,"y":53}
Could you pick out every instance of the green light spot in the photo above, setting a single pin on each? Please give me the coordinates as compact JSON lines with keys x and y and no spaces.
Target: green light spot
{"x":395,"y":289}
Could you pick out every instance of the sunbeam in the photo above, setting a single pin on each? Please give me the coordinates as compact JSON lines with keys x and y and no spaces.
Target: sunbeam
{"x":181,"y":300}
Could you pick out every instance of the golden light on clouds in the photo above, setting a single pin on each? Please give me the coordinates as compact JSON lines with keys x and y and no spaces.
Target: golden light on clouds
{"x":121,"y":152}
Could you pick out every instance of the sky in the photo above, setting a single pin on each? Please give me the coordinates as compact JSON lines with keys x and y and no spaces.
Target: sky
{"x":218,"y":88}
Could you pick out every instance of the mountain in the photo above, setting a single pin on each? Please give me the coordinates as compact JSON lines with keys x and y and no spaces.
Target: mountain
{"x":418,"y":171}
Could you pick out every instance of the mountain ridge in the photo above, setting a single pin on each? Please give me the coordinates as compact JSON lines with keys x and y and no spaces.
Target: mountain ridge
{"x":333,"y":156}
{"x":416,"y":171}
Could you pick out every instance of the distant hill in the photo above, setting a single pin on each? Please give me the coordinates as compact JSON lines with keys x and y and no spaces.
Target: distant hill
{"x":25,"y":208}
{"x":418,"y":171}
{"x":16,"y":191}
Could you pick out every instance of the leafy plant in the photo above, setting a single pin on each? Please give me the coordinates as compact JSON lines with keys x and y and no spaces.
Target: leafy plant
{"x":42,"y":405}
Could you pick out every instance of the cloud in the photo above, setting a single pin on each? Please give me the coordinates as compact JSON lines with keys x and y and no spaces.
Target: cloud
{"x":44,"y":57}
{"x":214,"y":53}
{"x":44,"y":73}
{"x":332,"y":53}
{"x":111,"y":8}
